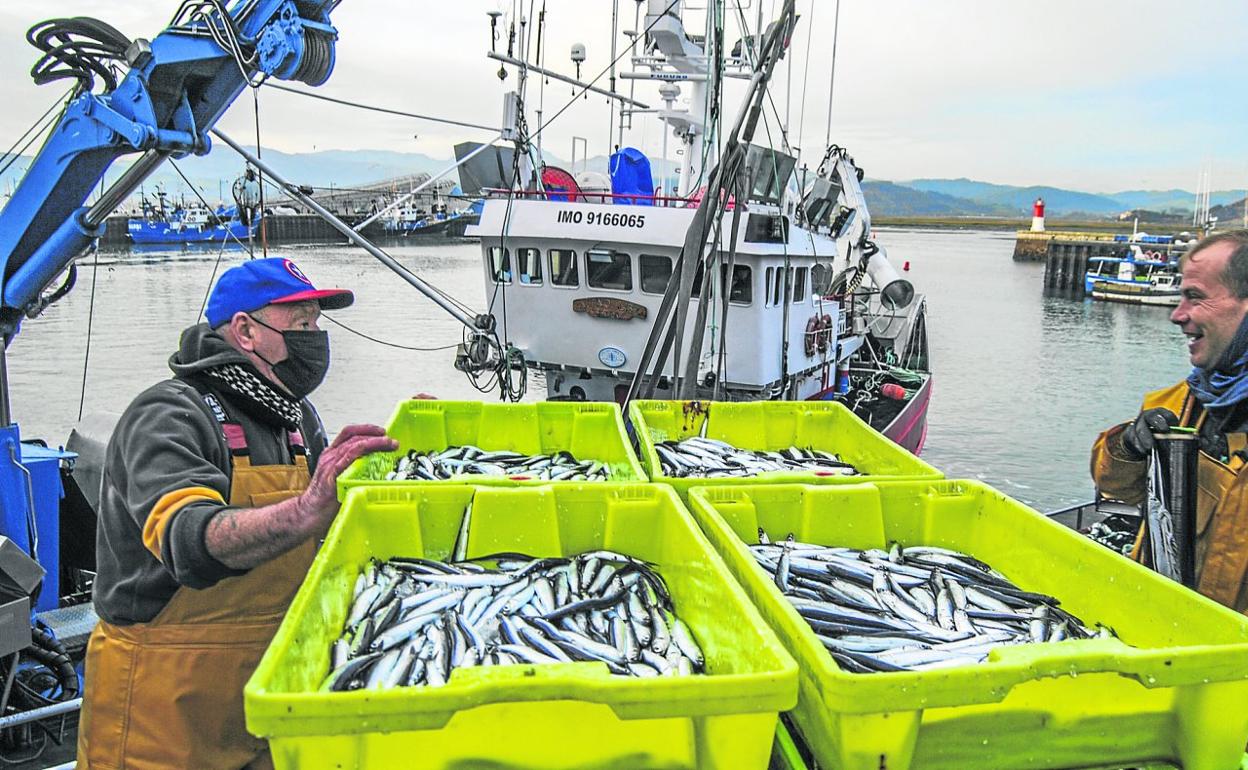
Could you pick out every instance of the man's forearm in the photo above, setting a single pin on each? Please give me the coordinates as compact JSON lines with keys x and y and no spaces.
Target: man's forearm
{"x":242,"y":538}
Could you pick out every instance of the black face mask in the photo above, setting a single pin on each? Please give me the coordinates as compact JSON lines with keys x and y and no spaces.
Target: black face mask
{"x":306,"y":362}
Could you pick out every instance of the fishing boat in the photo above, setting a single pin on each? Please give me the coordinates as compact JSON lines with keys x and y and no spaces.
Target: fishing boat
{"x":789,"y":299}
{"x":439,"y":219}
{"x":1140,"y":277}
{"x":163,"y":222}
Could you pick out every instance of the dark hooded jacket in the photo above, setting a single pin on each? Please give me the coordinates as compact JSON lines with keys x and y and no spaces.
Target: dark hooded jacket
{"x":167,"y":473}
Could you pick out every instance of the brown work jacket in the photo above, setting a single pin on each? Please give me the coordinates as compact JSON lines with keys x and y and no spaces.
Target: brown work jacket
{"x":1222,"y":498}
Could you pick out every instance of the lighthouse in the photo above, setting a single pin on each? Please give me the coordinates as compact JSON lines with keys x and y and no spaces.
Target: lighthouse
{"x":1037,"y":216}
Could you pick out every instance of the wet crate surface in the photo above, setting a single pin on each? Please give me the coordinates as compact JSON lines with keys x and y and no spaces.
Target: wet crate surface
{"x":557,"y":716}
{"x":772,"y":426}
{"x":589,"y":431}
{"x":1178,"y":694}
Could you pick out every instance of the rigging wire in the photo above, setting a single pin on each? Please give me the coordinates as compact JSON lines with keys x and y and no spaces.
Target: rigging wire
{"x":264,"y":228}
{"x":206,"y":205}
{"x":745,"y":32}
{"x":86,"y":356}
{"x":584,"y":89}
{"x":60,"y":100}
{"x":47,"y":124}
{"x":801,"y":119}
{"x":374,"y":108}
{"x":836,"y":31}
{"x":208,"y":289}
{"x":440,"y":292}
{"x":370,"y":338}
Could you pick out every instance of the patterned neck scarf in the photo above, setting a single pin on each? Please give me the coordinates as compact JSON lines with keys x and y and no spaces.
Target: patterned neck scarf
{"x":259,"y":398}
{"x":1226,"y":383}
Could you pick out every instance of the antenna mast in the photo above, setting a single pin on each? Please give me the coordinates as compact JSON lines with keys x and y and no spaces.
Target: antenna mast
{"x":836,"y":31}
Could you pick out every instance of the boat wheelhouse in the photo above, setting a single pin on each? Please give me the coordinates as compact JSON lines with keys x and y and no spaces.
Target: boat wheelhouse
{"x":1138,"y":278}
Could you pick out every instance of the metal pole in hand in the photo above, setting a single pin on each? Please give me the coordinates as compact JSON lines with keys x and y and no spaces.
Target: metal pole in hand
{"x":1171,"y":505}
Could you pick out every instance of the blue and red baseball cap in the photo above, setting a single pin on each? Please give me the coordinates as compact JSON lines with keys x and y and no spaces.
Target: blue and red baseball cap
{"x":259,"y":282}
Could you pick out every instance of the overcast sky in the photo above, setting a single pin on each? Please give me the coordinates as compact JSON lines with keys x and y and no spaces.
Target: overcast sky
{"x":1092,"y":95}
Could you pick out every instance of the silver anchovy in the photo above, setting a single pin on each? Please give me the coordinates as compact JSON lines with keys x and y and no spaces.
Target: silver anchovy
{"x":472,"y":461}
{"x":700,"y":457}
{"x":412,"y":622}
{"x":909,"y":609}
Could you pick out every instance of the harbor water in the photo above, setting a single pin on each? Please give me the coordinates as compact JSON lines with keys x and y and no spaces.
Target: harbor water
{"x":1023,"y":381}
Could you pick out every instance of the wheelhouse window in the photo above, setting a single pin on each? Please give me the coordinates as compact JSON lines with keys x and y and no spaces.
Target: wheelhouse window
{"x":563,"y":271}
{"x":500,"y":264}
{"x":742,"y":288}
{"x":529,"y":261}
{"x":799,"y":286}
{"x":820,"y":279}
{"x":776,"y":287}
{"x":656,"y":271}
{"x":609,"y":270}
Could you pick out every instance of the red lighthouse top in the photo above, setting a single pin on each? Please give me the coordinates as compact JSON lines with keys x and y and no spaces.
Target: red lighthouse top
{"x":1037,"y":209}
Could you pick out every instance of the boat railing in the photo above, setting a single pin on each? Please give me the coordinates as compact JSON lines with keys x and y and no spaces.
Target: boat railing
{"x":1083,"y":515}
{"x":563,"y":196}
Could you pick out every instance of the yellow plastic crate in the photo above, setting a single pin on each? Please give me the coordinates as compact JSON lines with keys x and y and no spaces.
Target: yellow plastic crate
{"x":589,"y":430}
{"x":771,"y":426}
{"x":1178,"y":693}
{"x":558,"y":716}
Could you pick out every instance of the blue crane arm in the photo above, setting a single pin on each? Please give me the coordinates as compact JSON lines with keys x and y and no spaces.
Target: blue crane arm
{"x":176,"y":88}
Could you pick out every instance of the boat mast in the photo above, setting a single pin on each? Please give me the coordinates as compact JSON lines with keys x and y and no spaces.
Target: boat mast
{"x":677,"y":51}
{"x":615,"y":32}
{"x":836,"y":30}
{"x":522,"y":139}
{"x":541,"y":92}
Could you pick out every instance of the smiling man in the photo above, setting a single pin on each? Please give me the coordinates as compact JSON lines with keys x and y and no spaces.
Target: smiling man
{"x":218,"y":484}
{"x":1213,"y":314}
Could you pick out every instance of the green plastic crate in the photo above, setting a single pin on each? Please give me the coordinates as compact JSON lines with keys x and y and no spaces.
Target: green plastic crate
{"x":556,"y":716}
{"x":1179,"y":693}
{"x":589,"y":430}
{"x":770,"y":426}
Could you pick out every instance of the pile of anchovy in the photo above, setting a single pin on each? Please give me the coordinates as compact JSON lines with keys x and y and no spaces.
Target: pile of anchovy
{"x":910,"y":609}
{"x":710,"y":458}
{"x":413,"y":621}
{"x":466,"y":460}
{"x":1116,"y":532}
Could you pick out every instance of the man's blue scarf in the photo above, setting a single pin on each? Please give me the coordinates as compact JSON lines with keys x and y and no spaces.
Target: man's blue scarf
{"x":1226,"y":383}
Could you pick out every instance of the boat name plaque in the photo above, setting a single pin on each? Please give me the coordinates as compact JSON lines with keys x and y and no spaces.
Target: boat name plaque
{"x":609,"y":307}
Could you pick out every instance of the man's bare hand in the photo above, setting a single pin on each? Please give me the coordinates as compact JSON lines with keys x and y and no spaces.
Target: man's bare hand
{"x":319,"y":502}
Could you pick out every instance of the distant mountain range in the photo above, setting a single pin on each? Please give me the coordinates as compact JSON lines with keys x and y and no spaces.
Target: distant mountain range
{"x":213,"y":175}
{"x":1008,"y":200}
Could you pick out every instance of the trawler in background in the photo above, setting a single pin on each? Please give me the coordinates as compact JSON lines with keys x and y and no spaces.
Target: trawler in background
{"x":1140,"y":277}
{"x":789,"y":297}
{"x":164,"y":222}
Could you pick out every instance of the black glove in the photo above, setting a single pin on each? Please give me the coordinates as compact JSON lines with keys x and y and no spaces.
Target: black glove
{"x":1137,"y":438}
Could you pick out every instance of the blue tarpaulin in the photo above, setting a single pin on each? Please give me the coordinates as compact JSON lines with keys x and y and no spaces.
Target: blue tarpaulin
{"x":630,"y":175}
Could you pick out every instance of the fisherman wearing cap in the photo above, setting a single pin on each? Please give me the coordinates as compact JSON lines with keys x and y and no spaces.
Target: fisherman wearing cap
{"x":1213,"y":315}
{"x":218,"y":484}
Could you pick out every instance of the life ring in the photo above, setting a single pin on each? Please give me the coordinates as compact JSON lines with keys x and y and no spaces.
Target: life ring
{"x":818,"y":334}
{"x":824,"y":336}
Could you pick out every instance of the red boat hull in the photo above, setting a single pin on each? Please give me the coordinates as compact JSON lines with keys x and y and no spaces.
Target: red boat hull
{"x":909,"y":427}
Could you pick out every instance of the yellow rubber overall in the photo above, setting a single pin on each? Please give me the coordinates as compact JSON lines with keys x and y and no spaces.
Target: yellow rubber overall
{"x":169,"y":693}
